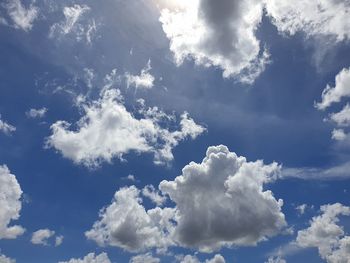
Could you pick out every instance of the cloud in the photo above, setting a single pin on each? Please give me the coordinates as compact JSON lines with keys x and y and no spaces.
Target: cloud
{"x":339,"y":135}
{"x":193,"y":259}
{"x":109,"y":130}
{"x":301,"y":208}
{"x":326,"y":235}
{"x":324,"y":17}
{"x":222,"y":202}
{"x":36,"y":113}
{"x":342,"y":118}
{"x":126,"y":224}
{"x":334,"y":94}
{"x":145,"y":258}
{"x":72,"y":25}
{"x":90,"y":258}
{"x":219,"y":202}
{"x":276,"y":260}
{"x":59,"y":241}
{"x":340,"y":171}
{"x":10,"y":203}
{"x":150,"y":192}
{"x":22,"y":17}
{"x":4,"y":259}
{"x":219,"y":34}
{"x":42,"y":236}
{"x":6,"y":128}
{"x":144,"y":81}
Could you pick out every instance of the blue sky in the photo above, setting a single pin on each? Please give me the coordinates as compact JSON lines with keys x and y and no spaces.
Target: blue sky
{"x":174,"y":131}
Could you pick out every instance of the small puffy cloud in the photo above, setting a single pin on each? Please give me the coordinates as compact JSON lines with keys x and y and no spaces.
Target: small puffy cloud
{"x":36,"y":113}
{"x":10,"y":203}
{"x":109,"y":130}
{"x":150,"y":192}
{"x":42,"y":236}
{"x":71,"y":24}
{"x":193,"y":259}
{"x":125,"y":223}
{"x":222,"y":202}
{"x":339,"y":135}
{"x":4,"y":259}
{"x":59,"y":240}
{"x":22,"y":17}
{"x":334,"y":94}
{"x":324,"y":17}
{"x":219,"y":34}
{"x":144,"y":81}
{"x":90,"y":258}
{"x":144,"y":258}
{"x":301,"y":208}
{"x":275,"y":260}
{"x":342,"y":118}
{"x":325,"y":234}
{"x":6,"y":128}
{"x":219,"y":202}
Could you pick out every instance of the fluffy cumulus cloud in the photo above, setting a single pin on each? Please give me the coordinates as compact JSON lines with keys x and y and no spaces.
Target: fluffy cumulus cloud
{"x":193,"y":259}
{"x":42,"y":236}
{"x":4,"y":259}
{"x":325,"y":234}
{"x":323,"y":17}
{"x":36,"y":113}
{"x":334,"y":94}
{"x":222,"y":201}
{"x":144,"y":81}
{"x":109,"y":130}
{"x":220,"y":34}
{"x":125,"y":223}
{"x":144,"y":258}
{"x":10,"y":204}
{"x":150,"y":192}
{"x":90,"y":258}
{"x":5,"y":127}
{"x":219,"y":202}
{"x":22,"y":17}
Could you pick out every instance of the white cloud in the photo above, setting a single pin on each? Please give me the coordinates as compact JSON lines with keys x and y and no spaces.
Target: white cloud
{"x":22,"y":17}
{"x":326,"y":235}
{"x":339,"y":135}
{"x":36,"y":113}
{"x":59,"y":240}
{"x":276,"y":260}
{"x":109,"y":130}
{"x":4,"y":259}
{"x":340,"y":171}
{"x":193,"y":259}
{"x":126,"y":224}
{"x":90,"y":258}
{"x":334,"y":94}
{"x":323,"y":17}
{"x":222,"y":202}
{"x":145,"y":258}
{"x":42,"y":236}
{"x":220,"y":34}
{"x":301,"y":208}
{"x":150,"y":192}
{"x":10,"y":203}
{"x":6,"y":128}
{"x":145,"y":80}
{"x":219,"y":202}
{"x":342,"y":118}
{"x":72,"y":24}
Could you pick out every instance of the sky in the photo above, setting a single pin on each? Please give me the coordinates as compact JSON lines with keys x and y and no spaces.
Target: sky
{"x":150,"y":131}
